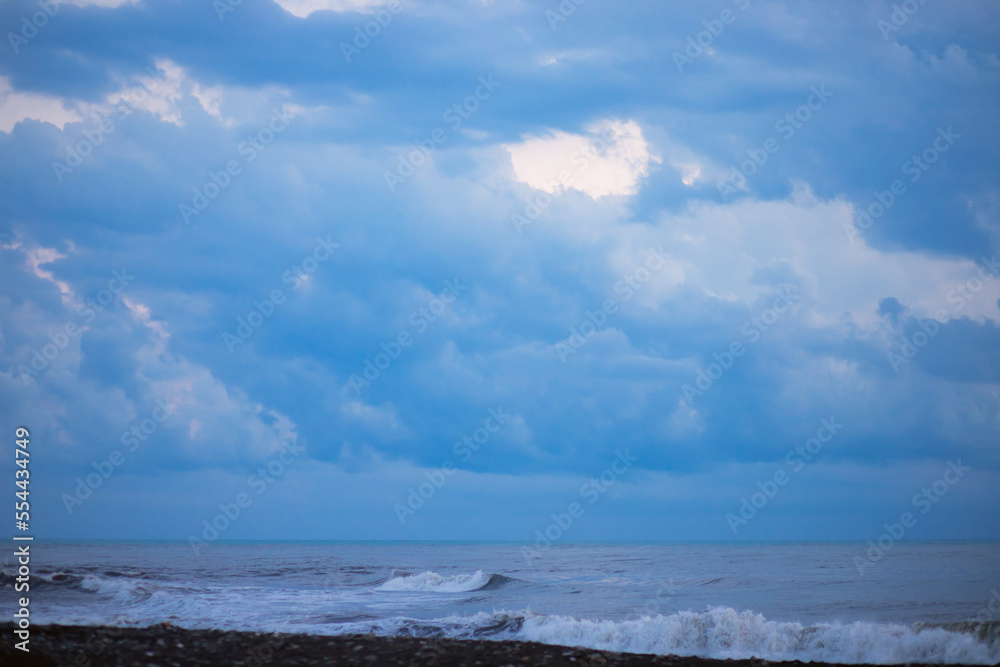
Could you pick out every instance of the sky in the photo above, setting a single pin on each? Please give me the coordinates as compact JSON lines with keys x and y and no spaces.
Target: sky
{"x":502,"y":269}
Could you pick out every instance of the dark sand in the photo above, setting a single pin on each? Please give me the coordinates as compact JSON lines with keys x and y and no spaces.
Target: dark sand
{"x":169,"y":646}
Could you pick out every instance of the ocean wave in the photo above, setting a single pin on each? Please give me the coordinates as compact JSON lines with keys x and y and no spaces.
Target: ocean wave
{"x":44,"y":579}
{"x":432,"y":582}
{"x":87,"y":578}
{"x":719,"y":632}
{"x":495,"y":625}
{"x":336,"y":619}
{"x":722,"y":632}
{"x":113,"y":584}
{"x":988,"y":631}
{"x":119,"y":588}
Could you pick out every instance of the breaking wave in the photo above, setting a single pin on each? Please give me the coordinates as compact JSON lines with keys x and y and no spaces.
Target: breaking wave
{"x":722,"y":632}
{"x":719,"y":632}
{"x":44,"y":580}
{"x":432,"y":582}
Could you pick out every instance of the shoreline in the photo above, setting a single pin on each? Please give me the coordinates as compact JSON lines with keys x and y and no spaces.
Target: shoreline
{"x":170,"y":646}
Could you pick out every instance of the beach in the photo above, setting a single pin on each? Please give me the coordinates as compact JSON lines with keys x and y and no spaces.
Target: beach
{"x":773,"y":602}
{"x":169,"y":646}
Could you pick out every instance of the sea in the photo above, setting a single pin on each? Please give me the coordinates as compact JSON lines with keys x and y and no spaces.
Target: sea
{"x":935,"y":602}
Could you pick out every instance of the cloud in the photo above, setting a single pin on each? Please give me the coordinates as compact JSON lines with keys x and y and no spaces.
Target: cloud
{"x":123,"y":358}
{"x":591,"y":98}
{"x":16,"y":106}
{"x":735,"y":252}
{"x":609,"y":160}
{"x":303,"y":8}
{"x":158,"y":93}
{"x":106,"y":4}
{"x":211,"y":101}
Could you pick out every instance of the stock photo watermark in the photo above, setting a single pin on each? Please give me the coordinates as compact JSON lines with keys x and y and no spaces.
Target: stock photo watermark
{"x":248,"y":150}
{"x":991,"y":609}
{"x":752,"y":329}
{"x":133,"y":438}
{"x":363,"y":35}
{"x":263,"y":653}
{"x":125,"y":106}
{"x":580,"y":161}
{"x":420,"y":320}
{"x":701,"y":43}
{"x":796,"y":459}
{"x":924,"y":500}
{"x":655,"y":606}
{"x":455,"y":116}
{"x":591,"y":491}
{"x":958,"y":296}
{"x":264,"y":309}
{"x":223,"y":7}
{"x":59,"y":341}
{"x":566,"y":8}
{"x":899,"y":17}
{"x":465,"y":448}
{"x":259,"y":482}
{"x":625,"y":288}
{"x":787,"y":126}
{"x":915,"y":168}
{"x":31,"y":26}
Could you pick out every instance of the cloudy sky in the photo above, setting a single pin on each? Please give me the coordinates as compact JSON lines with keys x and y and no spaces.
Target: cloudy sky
{"x":420,"y":270}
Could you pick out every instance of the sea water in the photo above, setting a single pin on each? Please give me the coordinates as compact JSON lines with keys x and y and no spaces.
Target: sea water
{"x":919,"y":602}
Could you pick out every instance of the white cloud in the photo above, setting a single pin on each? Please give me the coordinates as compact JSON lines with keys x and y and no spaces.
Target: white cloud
{"x":690,"y":172}
{"x":16,"y":106}
{"x":571,"y":54}
{"x":382,"y":420}
{"x":107,"y":4}
{"x":157,"y":95}
{"x":35,"y":257}
{"x":214,"y":423}
{"x":733,"y":251}
{"x":161,"y":92}
{"x":691,"y":167}
{"x":303,"y":8}
{"x":143,"y":315}
{"x":211,"y":101}
{"x":609,"y":160}
{"x":38,"y":256}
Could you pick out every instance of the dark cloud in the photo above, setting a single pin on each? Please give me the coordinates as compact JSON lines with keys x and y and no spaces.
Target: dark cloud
{"x":496,"y":345}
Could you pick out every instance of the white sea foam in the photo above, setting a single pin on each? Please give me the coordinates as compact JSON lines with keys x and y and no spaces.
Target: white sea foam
{"x":432,"y":582}
{"x":722,"y":632}
{"x":717,"y":632}
{"x":121,"y":588}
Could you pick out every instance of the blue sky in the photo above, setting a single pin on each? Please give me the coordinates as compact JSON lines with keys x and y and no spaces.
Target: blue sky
{"x":452,"y":260}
